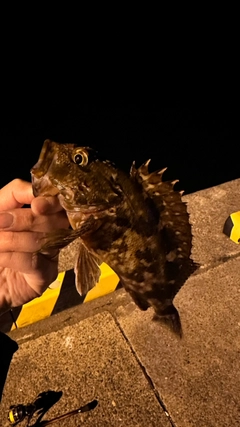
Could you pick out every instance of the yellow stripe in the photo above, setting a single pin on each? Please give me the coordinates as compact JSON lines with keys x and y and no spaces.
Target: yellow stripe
{"x":41,"y":307}
{"x":11,"y":417}
{"x":107,"y":283}
{"x":13,"y":327}
{"x":235,"y":232}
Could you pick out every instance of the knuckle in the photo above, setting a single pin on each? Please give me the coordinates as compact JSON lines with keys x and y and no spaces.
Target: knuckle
{"x":17,"y":182}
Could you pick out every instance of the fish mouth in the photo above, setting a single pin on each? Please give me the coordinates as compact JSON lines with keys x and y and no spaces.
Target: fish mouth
{"x":83,"y":209}
{"x":78,"y":215}
{"x":42,"y":187}
{"x":88,"y":209}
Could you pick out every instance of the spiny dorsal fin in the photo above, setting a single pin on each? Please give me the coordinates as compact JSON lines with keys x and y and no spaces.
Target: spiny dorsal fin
{"x":142,"y":173}
{"x":174,"y":226}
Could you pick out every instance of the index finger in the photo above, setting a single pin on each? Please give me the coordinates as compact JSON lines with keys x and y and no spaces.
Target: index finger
{"x":44,"y":205}
{"x":15,"y":194}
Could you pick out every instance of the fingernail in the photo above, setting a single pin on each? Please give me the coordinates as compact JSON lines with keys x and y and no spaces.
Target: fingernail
{"x":6,"y":220}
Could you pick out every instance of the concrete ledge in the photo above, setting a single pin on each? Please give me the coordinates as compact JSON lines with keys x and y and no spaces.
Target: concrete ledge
{"x":209,"y":210}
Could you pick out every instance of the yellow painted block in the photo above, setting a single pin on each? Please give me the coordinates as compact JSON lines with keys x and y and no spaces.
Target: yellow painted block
{"x":235,"y":234}
{"x":107,"y":283}
{"x":41,"y":307}
{"x":13,"y":327}
{"x":232,"y":227}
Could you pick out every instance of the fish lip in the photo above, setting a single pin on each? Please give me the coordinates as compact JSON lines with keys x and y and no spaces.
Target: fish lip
{"x":88,"y":209}
{"x":84,"y":209}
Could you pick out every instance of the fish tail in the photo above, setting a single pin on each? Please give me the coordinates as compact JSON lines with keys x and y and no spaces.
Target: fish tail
{"x":170,"y":317}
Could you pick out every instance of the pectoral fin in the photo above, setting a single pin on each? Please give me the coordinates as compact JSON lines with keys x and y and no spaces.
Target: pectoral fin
{"x":87,"y":270}
{"x":58,"y":239}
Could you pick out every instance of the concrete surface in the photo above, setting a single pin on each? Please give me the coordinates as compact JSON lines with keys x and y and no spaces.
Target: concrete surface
{"x":198,"y":377}
{"x":141,"y":374}
{"x":209,"y":210}
{"x":86,"y":361}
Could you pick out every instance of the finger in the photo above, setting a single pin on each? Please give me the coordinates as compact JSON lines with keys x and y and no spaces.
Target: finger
{"x":15,"y":290}
{"x":38,"y":269}
{"x":25,"y":241}
{"x":15,"y":194}
{"x":24,"y":220}
{"x":44,"y":271}
{"x":45,"y":205}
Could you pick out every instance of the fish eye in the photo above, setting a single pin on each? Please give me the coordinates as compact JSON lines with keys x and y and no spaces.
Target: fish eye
{"x":80,"y":156}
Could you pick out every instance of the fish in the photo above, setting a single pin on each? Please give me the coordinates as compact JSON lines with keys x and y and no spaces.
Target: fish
{"x":137,"y":223}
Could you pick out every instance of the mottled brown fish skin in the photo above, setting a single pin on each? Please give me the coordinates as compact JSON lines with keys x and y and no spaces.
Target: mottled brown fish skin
{"x":136,"y":224}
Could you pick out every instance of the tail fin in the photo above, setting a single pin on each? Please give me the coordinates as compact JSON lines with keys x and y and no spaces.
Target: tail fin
{"x":170,"y":317}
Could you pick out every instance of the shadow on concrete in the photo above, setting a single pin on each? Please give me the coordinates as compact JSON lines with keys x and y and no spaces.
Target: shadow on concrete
{"x":35,"y":411}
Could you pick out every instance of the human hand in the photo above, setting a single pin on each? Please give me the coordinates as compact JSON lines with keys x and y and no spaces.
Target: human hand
{"x":25,"y":274}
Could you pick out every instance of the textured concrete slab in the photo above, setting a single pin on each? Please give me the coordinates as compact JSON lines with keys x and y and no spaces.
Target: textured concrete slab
{"x":198,"y":377}
{"x":88,"y":360}
{"x":208,"y":211}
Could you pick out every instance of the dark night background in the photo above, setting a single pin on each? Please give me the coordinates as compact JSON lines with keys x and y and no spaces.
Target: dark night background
{"x":199,"y":145}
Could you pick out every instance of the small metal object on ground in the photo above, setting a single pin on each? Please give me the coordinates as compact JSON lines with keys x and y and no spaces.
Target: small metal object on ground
{"x":17,"y":413}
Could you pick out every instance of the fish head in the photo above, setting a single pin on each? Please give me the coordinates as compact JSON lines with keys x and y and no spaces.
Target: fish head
{"x":82,"y":182}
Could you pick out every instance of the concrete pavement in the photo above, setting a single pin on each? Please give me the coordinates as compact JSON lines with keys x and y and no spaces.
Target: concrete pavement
{"x":139,"y":372}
